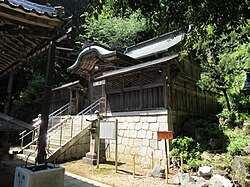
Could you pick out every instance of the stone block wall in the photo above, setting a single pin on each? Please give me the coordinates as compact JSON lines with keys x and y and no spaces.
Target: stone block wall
{"x":75,"y":149}
{"x":137,"y":135}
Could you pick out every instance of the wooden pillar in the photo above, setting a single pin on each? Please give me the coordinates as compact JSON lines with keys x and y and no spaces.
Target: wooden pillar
{"x":7,"y":104}
{"x":41,"y":155}
{"x":165,"y":87}
{"x":9,"y":91}
{"x":141,"y":90}
{"x":90,"y":90}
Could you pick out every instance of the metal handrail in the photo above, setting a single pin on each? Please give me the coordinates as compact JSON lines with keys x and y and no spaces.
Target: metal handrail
{"x":51,"y":117}
{"x":57,"y":113}
{"x":80,"y":114}
{"x":53,"y":131}
{"x":58,"y":124}
{"x":58,"y":110}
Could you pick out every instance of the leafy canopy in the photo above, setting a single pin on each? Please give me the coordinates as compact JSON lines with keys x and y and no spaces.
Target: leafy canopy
{"x":116,"y":32}
{"x":222,"y":59}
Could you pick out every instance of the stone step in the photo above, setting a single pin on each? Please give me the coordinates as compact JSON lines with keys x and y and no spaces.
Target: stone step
{"x":29,"y":152}
{"x":32,"y":153}
{"x":53,"y":149}
{"x":33,"y":147}
{"x":25,"y":158}
{"x":58,"y":141}
{"x":66,"y":131}
{"x":64,"y":136}
{"x":54,"y":146}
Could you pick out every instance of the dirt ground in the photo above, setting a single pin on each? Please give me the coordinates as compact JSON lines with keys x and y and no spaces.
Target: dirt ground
{"x":123,"y":178}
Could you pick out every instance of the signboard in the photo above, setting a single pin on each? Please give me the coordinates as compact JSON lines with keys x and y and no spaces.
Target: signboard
{"x":165,"y":135}
{"x":98,"y":83}
{"x":107,"y":130}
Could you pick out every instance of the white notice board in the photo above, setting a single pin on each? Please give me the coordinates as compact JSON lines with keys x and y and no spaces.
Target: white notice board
{"x":107,"y":130}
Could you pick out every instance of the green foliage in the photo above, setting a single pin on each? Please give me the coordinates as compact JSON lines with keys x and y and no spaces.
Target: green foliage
{"x":222,"y":59}
{"x":29,"y":102}
{"x":238,"y":140}
{"x":232,"y":118}
{"x":173,"y":14}
{"x":207,"y":133}
{"x":116,"y":32}
{"x":186,"y":147}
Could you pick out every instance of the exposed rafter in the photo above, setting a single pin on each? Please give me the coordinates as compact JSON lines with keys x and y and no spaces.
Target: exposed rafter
{"x":25,"y":27}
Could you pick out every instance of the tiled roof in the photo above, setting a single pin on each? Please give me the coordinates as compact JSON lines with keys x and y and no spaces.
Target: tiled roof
{"x":155,"y":46}
{"x":28,"y":6}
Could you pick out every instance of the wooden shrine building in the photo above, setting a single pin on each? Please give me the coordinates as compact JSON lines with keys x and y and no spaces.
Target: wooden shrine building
{"x":148,"y":88}
{"x":72,"y":93}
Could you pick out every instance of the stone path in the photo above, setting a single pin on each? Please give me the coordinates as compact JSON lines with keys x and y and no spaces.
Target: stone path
{"x":7,"y":174}
{"x":72,"y":180}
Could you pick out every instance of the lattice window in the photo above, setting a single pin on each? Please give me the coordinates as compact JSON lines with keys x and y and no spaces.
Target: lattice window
{"x":114,"y":84}
{"x":132,"y":80}
{"x":152,"y":77}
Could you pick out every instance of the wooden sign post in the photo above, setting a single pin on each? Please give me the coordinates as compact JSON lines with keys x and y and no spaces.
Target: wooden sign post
{"x":165,"y":135}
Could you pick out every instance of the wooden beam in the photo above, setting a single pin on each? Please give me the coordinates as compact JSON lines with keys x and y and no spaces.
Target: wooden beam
{"x":6,"y":59}
{"x":4,"y":53}
{"x":34,"y":32}
{"x":11,"y":49}
{"x":11,"y":42}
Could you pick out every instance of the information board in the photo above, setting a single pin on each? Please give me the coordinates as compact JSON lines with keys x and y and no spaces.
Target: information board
{"x":107,"y":130}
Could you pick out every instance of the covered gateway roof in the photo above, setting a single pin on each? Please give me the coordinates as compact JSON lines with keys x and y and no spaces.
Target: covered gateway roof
{"x":25,"y":27}
{"x":8,"y":123}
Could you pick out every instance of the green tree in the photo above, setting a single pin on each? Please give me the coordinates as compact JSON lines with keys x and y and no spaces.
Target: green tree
{"x":112,"y":29}
{"x":223,"y":59}
{"x":29,"y":103}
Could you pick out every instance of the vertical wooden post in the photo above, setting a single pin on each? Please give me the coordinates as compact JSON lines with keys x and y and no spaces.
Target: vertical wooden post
{"x":166,"y":169}
{"x":98,"y":143}
{"x":116,"y":144}
{"x":152,"y":160}
{"x":41,"y":154}
{"x":9,"y":91}
{"x":134,"y":166}
{"x":181,"y":164}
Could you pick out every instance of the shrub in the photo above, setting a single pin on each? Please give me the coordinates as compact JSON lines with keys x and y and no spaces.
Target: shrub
{"x":238,"y":140}
{"x":186,"y":147}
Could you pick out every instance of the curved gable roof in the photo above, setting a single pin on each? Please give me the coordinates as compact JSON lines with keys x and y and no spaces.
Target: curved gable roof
{"x":91,"y":55}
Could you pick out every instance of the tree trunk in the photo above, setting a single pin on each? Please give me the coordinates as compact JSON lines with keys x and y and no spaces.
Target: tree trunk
{"x":227,"y":100}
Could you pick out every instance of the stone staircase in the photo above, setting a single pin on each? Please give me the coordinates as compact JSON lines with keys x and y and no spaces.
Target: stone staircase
{"x":67,"y":141}
{"x":67,"y":136}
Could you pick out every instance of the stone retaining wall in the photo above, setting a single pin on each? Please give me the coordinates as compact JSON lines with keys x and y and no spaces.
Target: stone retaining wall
{"x":137,"y":135}
{"x":75,"y":149}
